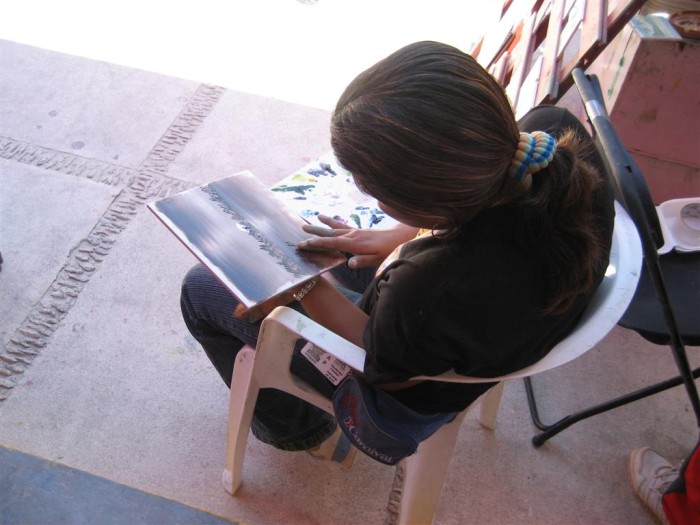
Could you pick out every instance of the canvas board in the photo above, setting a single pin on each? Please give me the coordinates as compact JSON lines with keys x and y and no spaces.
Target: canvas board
{"x":245,"y":236}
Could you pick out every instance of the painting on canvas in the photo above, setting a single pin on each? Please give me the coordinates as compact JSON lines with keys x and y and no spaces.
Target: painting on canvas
{"x":245,"y":235}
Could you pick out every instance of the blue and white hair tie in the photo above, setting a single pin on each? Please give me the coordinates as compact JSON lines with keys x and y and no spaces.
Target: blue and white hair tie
{"x":535,"y":151}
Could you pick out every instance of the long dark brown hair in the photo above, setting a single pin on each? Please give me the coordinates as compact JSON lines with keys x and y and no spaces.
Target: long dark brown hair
{"x":430,"y":133}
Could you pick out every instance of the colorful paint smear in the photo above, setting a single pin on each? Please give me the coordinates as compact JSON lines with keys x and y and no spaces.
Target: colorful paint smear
{"x":324,"y":187}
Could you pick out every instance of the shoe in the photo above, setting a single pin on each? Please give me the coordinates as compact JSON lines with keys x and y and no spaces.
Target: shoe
{"x":650,"y":475}
{"x":336,"y":448}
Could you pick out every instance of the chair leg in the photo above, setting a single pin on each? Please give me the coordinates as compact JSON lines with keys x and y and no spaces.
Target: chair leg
{"x":268,"y":366}
{"x":490,"y":401}
{"x":565,"y":422}
{"x":424,"y":475}
{"x":243,"y":395}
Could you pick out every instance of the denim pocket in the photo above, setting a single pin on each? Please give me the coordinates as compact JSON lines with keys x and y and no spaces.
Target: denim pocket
{"x":379,"y":425}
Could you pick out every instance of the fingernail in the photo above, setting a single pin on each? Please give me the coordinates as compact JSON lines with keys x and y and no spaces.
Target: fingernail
{"x":352,"y":263}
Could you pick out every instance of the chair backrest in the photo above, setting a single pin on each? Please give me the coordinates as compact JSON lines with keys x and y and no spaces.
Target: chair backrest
{"x":634,"y":194}
{"x":605,"y":308}
{"x":627,"y":179}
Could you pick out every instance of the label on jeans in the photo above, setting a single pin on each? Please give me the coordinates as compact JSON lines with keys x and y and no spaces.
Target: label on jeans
{"x":330,"y":366}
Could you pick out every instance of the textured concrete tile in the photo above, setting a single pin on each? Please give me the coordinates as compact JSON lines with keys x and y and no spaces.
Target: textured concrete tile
{"x":43,"y":215}
{"x":93,"y":109}
{"x":134,"y":398}
{"x":268,"y":137}
{"x":119,"y":389}
{"x":580,"y":475}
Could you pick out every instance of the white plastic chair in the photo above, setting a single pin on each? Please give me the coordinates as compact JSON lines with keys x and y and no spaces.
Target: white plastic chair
{"x":425,"y":471}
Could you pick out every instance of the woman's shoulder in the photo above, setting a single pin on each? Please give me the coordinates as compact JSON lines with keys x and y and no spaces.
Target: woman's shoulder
{"x":448,"y":272}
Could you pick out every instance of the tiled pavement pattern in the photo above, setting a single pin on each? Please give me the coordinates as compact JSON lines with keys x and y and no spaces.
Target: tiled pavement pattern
{"x":98,"y":373}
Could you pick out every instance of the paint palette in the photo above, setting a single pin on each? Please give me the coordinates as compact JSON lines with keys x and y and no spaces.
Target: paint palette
{"x":324,"y":187}
{"x":680,"y":222}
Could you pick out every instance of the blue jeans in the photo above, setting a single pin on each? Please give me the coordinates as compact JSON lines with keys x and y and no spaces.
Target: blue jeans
{"x":280,"y":419}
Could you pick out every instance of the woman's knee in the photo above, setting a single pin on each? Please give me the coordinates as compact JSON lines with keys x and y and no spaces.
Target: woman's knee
{"x":203,"y":295}
{"x":197,"y":277}
{"x":198,"y":284}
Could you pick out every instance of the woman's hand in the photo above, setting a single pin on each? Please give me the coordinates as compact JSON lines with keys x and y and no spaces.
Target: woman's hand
{"x":262,"y":310}
{"x":368,"y":247}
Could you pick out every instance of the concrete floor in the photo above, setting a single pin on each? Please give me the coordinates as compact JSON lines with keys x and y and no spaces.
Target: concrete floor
{"x":98,"y":373}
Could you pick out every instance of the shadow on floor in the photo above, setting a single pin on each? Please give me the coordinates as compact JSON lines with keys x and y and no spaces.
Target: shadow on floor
{"x":36,"y":491}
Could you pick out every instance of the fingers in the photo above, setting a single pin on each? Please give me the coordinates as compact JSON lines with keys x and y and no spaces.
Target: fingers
{"x":337,"y":228}
{"x":259,"y":311}
{"x":320,"y":230}
{"x":362,"y":261}
{"x":323,"y":243}
{"x":337,"y":237}
{"x":248,"y":314}
{"x":333,"y":223}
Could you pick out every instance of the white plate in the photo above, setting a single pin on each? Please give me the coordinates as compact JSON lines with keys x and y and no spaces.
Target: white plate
{"x":680,"y":223}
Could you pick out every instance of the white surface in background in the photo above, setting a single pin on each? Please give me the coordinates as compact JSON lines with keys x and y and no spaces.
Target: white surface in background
{"x":285,"y":49}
